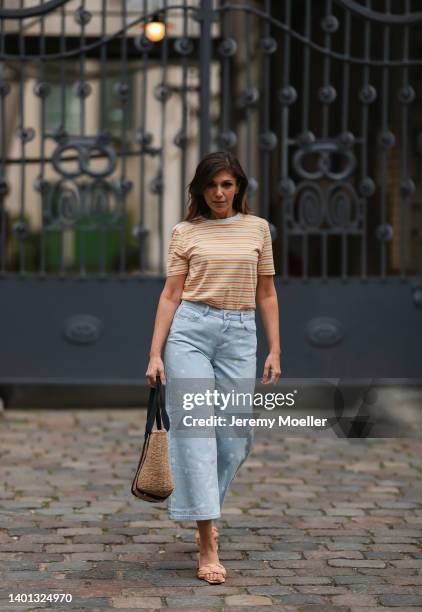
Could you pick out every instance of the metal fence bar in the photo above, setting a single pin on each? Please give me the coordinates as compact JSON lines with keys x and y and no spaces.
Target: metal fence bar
{"x":305,"y":119}
{"x":205,"y":55}
{"x":285,"y":142}
{"x":265,"y":116}
{"x":406,"y":184}
{"x":104,"y":232}
{"x":368,"y":90}
{"x":325,"y":126}
{"x":162,"y":157}
{"x":225,"y":141}
{"x":42,"y":135}
{"x":182,"y":136}
{"x":62,"y":126}
{"x":248,"y":92}
{"x":3,"y":183}
{"x":344,"y":129}
{"x":420,"y":212}
{"x":143,"y":138}
{"x":21,"y":227}
{"x":387,"y":139}
{"x":124,"y":92}
{"x":82,"y":90}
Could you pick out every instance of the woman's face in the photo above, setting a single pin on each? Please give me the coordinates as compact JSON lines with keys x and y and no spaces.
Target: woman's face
{"x":219,"y":195}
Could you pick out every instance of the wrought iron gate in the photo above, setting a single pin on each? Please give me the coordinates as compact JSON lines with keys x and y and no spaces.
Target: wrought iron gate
{"x":100,"y":131}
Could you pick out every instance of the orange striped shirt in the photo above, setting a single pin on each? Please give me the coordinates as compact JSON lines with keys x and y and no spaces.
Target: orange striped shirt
{"x":222,"y":259}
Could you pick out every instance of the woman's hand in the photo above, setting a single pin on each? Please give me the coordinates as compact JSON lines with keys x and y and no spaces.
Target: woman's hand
{"x":155,"y":368}
{"x":272,"y":364}
{"x":266,"y":298}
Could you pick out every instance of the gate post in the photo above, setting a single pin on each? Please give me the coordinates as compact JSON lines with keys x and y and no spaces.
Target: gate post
{"x":205,"y":53}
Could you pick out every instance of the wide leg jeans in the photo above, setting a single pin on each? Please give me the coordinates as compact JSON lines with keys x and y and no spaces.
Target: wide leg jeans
{"x":208,"y":349}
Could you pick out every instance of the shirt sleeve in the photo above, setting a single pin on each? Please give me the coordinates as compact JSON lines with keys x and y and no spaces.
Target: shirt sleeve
{"x":266,"y":260}
{"x":177,"y":261}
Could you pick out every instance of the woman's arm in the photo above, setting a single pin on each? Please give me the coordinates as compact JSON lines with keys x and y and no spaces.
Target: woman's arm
{"x":266,"y":299}
{"x":169,"y":301}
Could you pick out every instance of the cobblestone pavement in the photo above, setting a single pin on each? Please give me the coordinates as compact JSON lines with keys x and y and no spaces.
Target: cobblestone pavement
{"x":312,"y":523}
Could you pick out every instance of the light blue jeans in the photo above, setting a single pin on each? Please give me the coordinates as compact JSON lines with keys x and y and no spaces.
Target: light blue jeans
{"x":208,"y":349}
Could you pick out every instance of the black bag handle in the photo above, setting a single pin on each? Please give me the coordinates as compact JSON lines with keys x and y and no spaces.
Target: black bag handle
{"x":157,"y":409}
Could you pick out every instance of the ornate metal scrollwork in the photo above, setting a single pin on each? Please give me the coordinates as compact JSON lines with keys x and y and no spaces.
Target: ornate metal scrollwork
{"x":384,"y":232}
{"x":368,"y":94}
{"x":227,"y":140}
{"x":287,"y":95}
{"x":268,"y":141}
{"x":327,"y":94}
{"x":26,"y":134}
{"x":227,"y":47}
{"x":143,"y":44}
{"x":66,"y":202}
{"x":82,"y":16}
{"x":4,"y":186}
{"x":248,"y":97}
{"x":268,"y":45}
{"x":69,"y":208}
{"x":310,"y":205}
{"x":20,"y":229}
{"x":252,"y":185}
{"x":181,"y":139}
{"x":324,"y":148}
{"x":337,"y":207}
{"x":184,"y":45}
{"x":407,"y":94}
{"x":386,"y":17}
{"x":347,"y":139}
{"x":83,"y":89}
{"x":156,"y":186}
{"x":286,"y":187}
{"x":305,"y":138}
{"x":387,"y":139}
{"x":330,"y":24}
{"x":407,"y":188}
{"x":342,"y":206}
{"x":31,"y":11}
{"x":42,"y":89}
{"x":162,"y":92}
{"x":144,"y":138}
{"x":122,"y":90}
{"x":4,"y":88}
{"x":84,"y":146}
{"x":366,"y":187}
{"x":122,"y":185}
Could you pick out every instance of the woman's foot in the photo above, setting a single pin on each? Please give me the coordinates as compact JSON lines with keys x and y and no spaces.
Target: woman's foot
{"x":209,"y":568}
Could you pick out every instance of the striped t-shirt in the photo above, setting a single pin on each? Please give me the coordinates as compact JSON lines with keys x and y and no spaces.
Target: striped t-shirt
{"x":222,"y":258}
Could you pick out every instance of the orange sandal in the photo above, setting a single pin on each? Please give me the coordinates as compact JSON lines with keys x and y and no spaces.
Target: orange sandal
{"x":215,"y":533}
{"x":211,"y":568}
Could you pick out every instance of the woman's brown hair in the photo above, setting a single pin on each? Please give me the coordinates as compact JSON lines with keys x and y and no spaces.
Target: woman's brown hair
{"x":208,"y":167}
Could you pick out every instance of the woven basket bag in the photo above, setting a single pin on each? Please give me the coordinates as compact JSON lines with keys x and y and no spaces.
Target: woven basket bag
{"x":153,"y":481}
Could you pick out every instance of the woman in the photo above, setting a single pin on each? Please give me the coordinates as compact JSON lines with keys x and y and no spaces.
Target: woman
{"x":220,"y":265}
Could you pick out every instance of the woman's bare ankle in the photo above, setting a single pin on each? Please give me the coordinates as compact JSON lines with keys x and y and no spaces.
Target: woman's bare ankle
{"x":208,"y":546}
